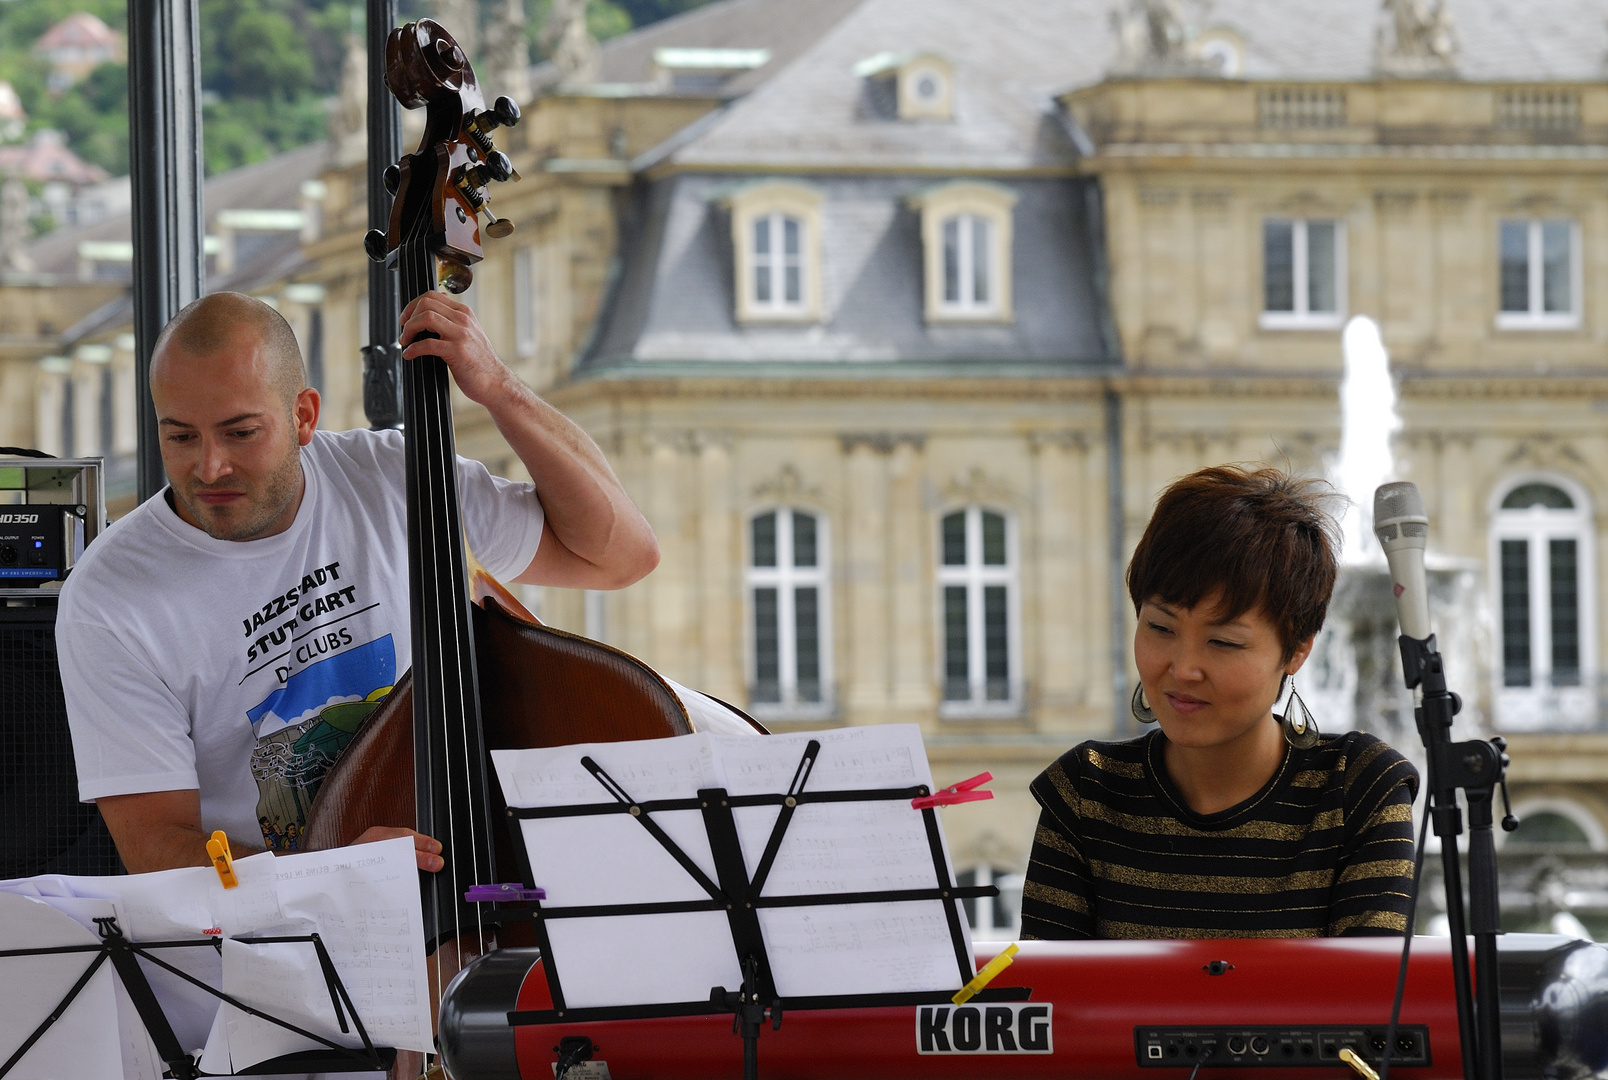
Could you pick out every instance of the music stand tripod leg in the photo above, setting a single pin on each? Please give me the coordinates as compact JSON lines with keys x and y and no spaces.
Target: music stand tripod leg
{"x":121,"y":952}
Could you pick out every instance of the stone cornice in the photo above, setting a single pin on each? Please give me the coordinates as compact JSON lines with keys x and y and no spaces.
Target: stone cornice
{"x":1425,"y":151}
{"x":1471,"y":384}
{"x":1118,"y":157}
{"x":811,"y":167}
{"x":1062,"y":386}
{"x":667,"y":388}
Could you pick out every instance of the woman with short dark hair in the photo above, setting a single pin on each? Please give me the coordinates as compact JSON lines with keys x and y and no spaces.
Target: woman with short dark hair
{"x":1225,"y":820}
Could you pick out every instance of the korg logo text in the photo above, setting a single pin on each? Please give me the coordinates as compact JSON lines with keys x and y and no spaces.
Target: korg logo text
{"x":983,"y":1029}
{"x":19,"y":519}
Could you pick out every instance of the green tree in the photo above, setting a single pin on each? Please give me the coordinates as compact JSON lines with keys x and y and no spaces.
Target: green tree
{"x":268,"y":57}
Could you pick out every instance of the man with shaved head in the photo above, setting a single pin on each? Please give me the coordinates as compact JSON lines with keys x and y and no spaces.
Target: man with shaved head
{"x":222,"y":642}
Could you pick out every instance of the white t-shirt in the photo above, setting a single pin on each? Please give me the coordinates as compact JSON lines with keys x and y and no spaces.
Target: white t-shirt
{"x":241,"y":668}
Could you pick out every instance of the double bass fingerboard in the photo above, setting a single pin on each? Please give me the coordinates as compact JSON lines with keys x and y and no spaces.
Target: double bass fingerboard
{"x":449,"y":755}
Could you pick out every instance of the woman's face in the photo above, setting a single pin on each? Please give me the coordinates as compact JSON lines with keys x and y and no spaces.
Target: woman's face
{"x":1210,"y":682}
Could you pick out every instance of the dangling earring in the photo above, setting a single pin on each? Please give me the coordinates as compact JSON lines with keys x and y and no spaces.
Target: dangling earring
{"x":1300,"y":729}
{"x":1140,"y":707}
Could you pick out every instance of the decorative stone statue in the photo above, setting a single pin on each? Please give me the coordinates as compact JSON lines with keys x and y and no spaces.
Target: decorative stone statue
{"x":1155,"y":38}
{"x":507,"y":60}
{"x":14,"y":230}
{"x":570,"y":44}
{"x":348,"y":119}
{"x":1416,"y":39}
{"x":462,"y":20}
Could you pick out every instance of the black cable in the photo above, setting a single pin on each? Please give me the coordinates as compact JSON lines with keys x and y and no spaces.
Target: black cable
{"x":1206,"y":1053}
{"x":571,"y":1051}
{"x":1406,"y":947}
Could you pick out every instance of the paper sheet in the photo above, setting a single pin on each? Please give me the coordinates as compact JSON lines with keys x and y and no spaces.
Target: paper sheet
{"x":83,"y":1042}
{"x":829,"y":849}
{"x":363,"y":900}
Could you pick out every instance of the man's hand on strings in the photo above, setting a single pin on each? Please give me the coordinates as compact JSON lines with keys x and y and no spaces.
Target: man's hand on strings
{"x":426,"y":850}
{"x":460,"y":342}
{"x":593,"y":535}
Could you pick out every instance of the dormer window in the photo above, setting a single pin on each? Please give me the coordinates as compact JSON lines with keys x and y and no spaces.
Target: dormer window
{"x":966,"y":235}
{"x":704,"y":71}
{"x":775,"y":230}
{"x":968,"y":275}
{"x":909,"y":86}
{"x":778,"y":268}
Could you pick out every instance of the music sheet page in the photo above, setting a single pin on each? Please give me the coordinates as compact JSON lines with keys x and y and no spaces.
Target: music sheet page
{"x":363,"y":901}
{"x":829,"y":850}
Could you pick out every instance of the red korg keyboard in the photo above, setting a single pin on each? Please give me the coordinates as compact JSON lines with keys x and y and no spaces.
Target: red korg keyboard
{"x":1094,"y":1010}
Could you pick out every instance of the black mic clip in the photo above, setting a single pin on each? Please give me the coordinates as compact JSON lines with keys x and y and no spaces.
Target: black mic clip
{"x":1415,"y":654}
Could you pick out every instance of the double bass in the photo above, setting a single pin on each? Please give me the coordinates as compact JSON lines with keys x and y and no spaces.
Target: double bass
{"x":486,"y":673}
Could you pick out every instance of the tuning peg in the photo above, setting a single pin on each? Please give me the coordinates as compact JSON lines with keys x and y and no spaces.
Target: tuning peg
{"x":498,"y":166}
{"x":391,"y":178}
{"x":506,"y":110}
{"x":374,"y":244}
{"x":454,"y":277}
{"x":494,"y":166}
{"x":496,"y":227}
{"x":503,"y":113}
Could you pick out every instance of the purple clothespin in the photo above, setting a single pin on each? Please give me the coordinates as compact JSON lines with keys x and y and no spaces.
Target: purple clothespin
{"x":487,"y":894}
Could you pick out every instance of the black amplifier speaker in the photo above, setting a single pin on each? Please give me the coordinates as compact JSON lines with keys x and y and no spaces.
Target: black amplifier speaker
{"x":50,"y":508}
{"x":46,"y":829}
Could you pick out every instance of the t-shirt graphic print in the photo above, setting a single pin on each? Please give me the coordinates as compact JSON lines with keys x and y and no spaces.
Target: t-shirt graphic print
{"x":328,"y":685}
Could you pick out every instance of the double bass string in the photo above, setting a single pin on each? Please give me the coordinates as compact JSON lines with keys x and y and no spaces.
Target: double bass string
{"x":412,"y":253}
{"x":451,"y":700}
{"x":414,"y":268}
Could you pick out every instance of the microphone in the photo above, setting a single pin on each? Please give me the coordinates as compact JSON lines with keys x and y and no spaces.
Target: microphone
{"x":1403,"y":530}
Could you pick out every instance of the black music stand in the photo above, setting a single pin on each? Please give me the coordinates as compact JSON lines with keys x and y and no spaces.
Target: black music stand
{"x":125,"y":956}
{"x":741,"y":898}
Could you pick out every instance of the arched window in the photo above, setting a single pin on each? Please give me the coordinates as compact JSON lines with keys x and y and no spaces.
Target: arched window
{"x":1556,"y":823}
{"x":1551,"y":830}
{"x":977,"y":606}
{"x":1541,"y":559}
{"x":788,"y":574}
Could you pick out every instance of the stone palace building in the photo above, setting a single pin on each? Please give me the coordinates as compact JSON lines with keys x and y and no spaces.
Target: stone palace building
{"x":895,"y":315}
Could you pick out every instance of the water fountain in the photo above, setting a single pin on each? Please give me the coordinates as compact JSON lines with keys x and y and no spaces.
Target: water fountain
{"x":1353,"y":679}
{"x":1354,"y":676}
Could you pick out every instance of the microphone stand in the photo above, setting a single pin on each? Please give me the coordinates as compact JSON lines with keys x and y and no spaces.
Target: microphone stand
{"x":1477,"y":766}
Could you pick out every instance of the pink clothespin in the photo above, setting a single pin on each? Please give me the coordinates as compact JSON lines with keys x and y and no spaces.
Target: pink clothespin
{"x":955,"y":793}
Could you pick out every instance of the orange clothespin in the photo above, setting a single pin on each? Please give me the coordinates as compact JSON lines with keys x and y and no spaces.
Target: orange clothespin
{"x":222,"y":861}
{"x":956,"y":793}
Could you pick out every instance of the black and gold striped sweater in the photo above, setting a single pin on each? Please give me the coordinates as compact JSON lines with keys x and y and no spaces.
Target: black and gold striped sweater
{"x":1324,"y":849}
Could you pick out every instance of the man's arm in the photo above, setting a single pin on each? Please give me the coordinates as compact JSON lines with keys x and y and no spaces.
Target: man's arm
{"x":594,"y":537}
{"x":161,"y":830}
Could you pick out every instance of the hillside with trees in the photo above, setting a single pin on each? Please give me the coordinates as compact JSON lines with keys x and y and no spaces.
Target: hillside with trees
{"x":268,"y":67}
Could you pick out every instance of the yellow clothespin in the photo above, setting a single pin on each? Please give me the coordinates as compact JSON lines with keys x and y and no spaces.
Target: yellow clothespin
{"x":987,"y":975}
{"x":218,"y":848}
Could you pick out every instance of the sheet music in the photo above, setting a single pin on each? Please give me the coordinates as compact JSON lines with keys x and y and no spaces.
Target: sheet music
{"x":637,"y":870}
{"x":84,"y":1041}
{"x":363,"y":900}
{"x":829,"y":849}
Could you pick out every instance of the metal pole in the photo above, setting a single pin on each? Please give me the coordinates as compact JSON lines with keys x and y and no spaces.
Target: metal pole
{"x":382,"y":387}
{"x":1122,"y":721}
{"x":164,"y":112}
